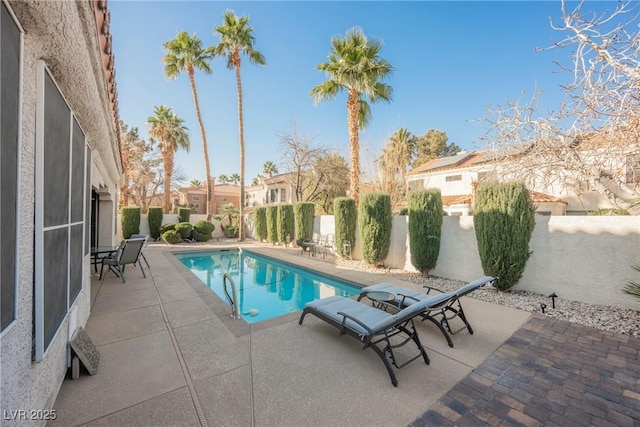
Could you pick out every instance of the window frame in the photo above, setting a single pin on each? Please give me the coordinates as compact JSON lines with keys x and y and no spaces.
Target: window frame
{"x":18,"y":222}
{"x":453,"y":178}
{"x":41,"y":347}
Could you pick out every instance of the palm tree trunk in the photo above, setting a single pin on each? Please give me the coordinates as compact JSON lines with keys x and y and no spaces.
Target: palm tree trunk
{"x":204,"y":143}
{"x":167,"y":160}
{"x":354,"y":144}
{"x":236,"y":61}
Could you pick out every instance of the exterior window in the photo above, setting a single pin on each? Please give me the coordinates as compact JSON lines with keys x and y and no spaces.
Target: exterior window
{"x":196,"y":197}
{"x":283,"y":195}
{"x":11,"y":52}
{"x":273,"y":196}
{"x":633,"y":169}
{"x":453,"y":178}
{"x":197,"y":206}
{"x":60,"y":220}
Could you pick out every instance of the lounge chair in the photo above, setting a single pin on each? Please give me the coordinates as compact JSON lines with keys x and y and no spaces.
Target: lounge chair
{"x":440,"y":314}
{"x":144,"y":245}
{"x":373,"y":326}
{"x":127,"y":253}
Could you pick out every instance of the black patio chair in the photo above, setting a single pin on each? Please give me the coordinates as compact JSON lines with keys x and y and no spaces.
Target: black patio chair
{"x":127,"y":253}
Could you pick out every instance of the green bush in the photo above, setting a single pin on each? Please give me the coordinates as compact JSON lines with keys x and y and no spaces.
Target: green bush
{"x":202,"y":231}
{"x":184,"y":214}
{"x":286,"y":223}
{"x":601,"y":212}
{"x":154,"y":216}
{"x":374,"y":218}
{"x":167,"y":227}
{"x":425,"y":228}
{"x":303,"y":213}
{"x":344,"y":214}
{"x":504,"y":217}
{"x":272,"y":224}
{"x":404,"y":212}
{"x":184,"y":228}
{"x":260,"y":222}
{"x":130,"y":218}
{"x":172,"y":237}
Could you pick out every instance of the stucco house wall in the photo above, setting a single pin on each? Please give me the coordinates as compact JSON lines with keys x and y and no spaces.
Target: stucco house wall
{"x":64,"y":35}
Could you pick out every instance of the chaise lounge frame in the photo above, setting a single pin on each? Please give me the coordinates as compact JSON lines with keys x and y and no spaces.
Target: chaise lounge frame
{"x":440,"y":314}
{"x":377,"y":330}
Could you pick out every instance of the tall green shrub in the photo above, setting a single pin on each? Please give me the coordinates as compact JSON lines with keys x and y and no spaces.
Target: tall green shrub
{"x":344,"y":214}
{"x":504,"y":217}
{"x":286,"y":223}
{"x":303,"y":213}
{"x":425,"y":228}
{"x":130,"y":218}
{"x":272,"y":224}
{"x":374,"y":219}
{"x":154,"y":216}
{"x":260,"y":222}
{"x":184,"y":214}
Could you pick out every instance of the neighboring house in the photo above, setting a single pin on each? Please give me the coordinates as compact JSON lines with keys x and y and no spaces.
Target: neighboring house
{"x":455,"y":177}
{"x":196,"y":197}
{"x":271,"y":191}
{"x":60,"y":174}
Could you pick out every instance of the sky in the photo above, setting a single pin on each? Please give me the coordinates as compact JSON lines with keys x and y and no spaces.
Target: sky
{"x":451,"y":61}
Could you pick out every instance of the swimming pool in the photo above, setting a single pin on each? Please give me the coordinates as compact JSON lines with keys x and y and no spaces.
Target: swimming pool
{"x":266,"y":288}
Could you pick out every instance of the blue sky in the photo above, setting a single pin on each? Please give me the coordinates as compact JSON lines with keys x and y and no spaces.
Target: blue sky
{"x":451,"y":60}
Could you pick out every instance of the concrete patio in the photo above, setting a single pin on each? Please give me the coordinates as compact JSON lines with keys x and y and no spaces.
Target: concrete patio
{"x":171,"y":355}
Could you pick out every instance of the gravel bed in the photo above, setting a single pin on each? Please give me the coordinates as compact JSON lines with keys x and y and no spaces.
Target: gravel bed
{"x":613,"y":319}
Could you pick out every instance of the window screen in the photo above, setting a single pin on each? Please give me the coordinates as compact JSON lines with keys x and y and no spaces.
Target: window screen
{"x":10,"y":41}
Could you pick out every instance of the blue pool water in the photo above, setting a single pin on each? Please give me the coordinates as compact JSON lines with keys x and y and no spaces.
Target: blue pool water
{"x":266,"y":288}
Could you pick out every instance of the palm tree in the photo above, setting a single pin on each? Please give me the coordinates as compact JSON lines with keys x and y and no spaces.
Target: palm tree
{"x":223,"y":179}
{"x":269,"y":168}
{"x":195,"y":183}
{"x":235,"y":178}
{"x":166,"y":128}
{"x":185,"y":53}
{"x":354,"y":65}
{"x":236,"y":38}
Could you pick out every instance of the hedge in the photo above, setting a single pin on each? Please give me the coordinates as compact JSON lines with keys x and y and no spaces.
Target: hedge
{"x":130,"y":217}
{"x":504,"y":221}
{"x":202,"y":231}
{"x":303,"y":213}
{"x":286,"y":223}
{"x":272,"y":224}
{"x":154,"y":216}
{"x":425,"y":228}
{"x":184,"y":228}
{"x":374,"y":219}
{"x":260,"y":221}
{"x":344,"y":212}
{"x":172,"y":237}
{"x":184,"y":214}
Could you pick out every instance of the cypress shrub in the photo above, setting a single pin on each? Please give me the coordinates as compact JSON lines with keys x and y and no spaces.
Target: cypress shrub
{"x":130,"y":218}
{"x":303,"y":213}
{"x":286,"y":223}
{"x":504,"y":220}
{"x":184,"y":228}
{"x":272,"y":224}
{"x":425,"y":228}
{"x":374,"y":218}
{"x":260,"y":221}
{"x":344,"y":214}
{"x":171,"y":236}
{"x":154,"y":216}
{"x":184,"y":214}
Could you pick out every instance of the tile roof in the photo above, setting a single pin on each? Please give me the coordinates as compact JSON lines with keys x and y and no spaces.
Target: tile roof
{"x":465,"y":199}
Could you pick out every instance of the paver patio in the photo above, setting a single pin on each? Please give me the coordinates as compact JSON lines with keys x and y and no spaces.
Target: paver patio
{"x":171,"y":355}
